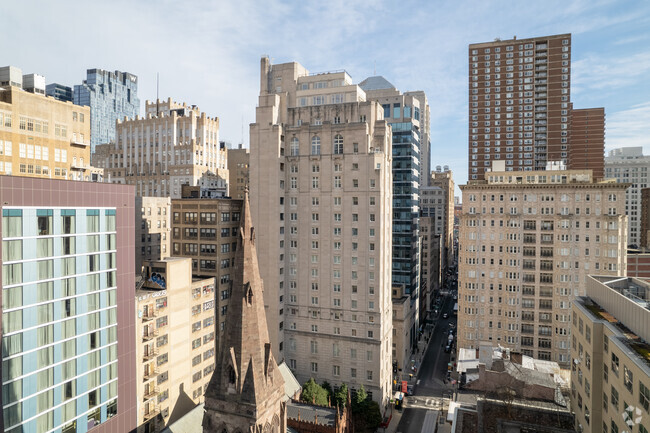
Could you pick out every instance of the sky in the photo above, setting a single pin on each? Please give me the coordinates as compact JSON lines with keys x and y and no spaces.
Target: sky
{"x":208,"y":52}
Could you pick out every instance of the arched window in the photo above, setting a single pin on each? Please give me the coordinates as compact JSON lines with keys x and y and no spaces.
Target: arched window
{"x":294,"y":146}
{"x":315,"y":145}
{"x":338,"y":144}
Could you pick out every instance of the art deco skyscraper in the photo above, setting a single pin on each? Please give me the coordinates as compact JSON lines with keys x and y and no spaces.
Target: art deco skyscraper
{"x":320,"y":176}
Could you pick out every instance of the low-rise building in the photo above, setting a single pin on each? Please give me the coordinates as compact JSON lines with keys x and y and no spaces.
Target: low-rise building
{"x":175,"y":329}
{"x":610,"y":378}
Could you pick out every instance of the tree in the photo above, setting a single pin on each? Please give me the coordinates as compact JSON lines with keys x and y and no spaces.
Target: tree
{"x":313,"y":393}
{"x":330,"y":392}
{"x":341,"y":396}
{"x":365,"y":412}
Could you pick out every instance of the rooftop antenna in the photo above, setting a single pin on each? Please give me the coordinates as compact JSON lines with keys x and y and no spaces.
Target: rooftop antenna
{"x":157,"y":93}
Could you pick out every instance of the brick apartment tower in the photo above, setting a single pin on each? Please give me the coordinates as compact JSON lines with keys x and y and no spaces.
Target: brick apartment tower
{"x":246,"y":391}
{"x":587,"y":147}
{"x":520,"y":108}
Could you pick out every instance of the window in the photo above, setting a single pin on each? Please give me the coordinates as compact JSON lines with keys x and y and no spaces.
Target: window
{"x":644,"y":396}
{"x":295,"y":147}
{"x":628,"y":378}
{"x":315,"y":145}
{"x":338,"y":144}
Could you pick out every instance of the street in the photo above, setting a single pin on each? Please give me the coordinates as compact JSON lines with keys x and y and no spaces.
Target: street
{"x":431,"y":386}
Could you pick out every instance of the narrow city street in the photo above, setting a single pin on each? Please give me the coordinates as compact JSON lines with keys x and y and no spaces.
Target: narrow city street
{"x":431,"y":387}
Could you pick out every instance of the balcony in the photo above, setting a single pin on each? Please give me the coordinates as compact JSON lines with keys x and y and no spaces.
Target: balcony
{"x":147,"y":335}
{"x":149,"y":355}
{"x":148,"y":315}
{"x":150,"y":412}
{"x":78,"y":142}
{"x":78,"y":166}
{"x":150,"y":393}
{"x":150,"y":374}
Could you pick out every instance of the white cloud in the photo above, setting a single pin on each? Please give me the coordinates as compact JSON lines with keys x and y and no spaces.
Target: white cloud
{"x":598,"y":72}
{"x":629,"y":127}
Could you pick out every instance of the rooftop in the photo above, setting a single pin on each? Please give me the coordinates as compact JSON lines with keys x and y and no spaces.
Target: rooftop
{"x":376,"y":83}
{"x":315,"y":414}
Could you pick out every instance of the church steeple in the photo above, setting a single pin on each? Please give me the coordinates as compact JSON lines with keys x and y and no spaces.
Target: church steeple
{"x":246,"y":389}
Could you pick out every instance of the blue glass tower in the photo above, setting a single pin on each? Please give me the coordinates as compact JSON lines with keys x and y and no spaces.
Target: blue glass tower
{"x":110,"y":96}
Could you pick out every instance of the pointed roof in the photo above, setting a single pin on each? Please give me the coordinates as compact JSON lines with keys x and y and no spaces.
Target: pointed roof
{"x":376,"y":83}
{"x":245,"y":370}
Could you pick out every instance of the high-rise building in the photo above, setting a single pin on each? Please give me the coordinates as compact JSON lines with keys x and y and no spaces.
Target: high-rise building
{"x":205,"y":230}
{"x":246,"y":392}
{"x":59,"y":91}
{"x":176,"y":341}
{"x":519,"y":103}
{"x":405,"y":113}
{"x":587,"y":141}
{"x":67,"y":282}
{"x":238,"y":161}
{"x":111,"y":96}
{"x":444,"y":179}
{"x":320,"y":178}
{"x":43,"y":137}
{"x":431,"y":258}
{"x":174,"y":145}
{"x":152,"y":229}
{"x":630,"y":165}
{"x":528,"y":242}
{"x":610,"y":372}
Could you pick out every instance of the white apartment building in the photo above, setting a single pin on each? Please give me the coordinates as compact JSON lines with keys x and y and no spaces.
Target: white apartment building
{"x":174,"y":145}
{"x":527,"y":244}
{"x":630,"y":165}
{"x":320,"y":176}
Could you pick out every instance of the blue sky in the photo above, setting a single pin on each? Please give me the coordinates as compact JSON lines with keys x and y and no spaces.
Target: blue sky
{"x":208,"y":52}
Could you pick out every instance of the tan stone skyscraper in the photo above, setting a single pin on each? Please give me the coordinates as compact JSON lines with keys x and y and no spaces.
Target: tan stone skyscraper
{"x":173,"y":145}
{"x":320,"y":175}
{"x":528,"y":242}
{"x":246,"y":391}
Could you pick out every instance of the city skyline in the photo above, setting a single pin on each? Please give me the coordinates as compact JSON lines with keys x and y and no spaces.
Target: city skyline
{"x":209,"y":55}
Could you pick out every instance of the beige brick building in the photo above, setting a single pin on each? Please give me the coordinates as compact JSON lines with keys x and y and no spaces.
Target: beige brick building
{"x":152,"y":229}
{"x":610,"y":372}
{"x":527,"y":243}
{"x":205,"y":230}
{"x":176,"y":331}
{"x":444,"y":179}
{"x":238,"y":160}
{"x":173,"y":145}
{"x":320,"y":198}
{"x":43,"y":137}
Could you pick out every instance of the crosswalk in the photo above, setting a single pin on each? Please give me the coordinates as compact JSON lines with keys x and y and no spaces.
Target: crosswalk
{"x":423,"y":402}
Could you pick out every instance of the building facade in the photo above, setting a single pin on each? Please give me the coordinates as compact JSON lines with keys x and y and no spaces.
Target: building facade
{"x":320,"y":174}
{"x":43,"y":137}
{"x":587,"y":141}
{"x":152,"y":229}
{"x":174,"y":145}
{"x":176,"y":334}
{"x":610,"y":372}
{"x":238,"y":172}
{"x":644,"y":229}
{"x":403,"y":113}
{"x":444,"y":179}
{"x":59,"y":91}
{"x":432,"y":256}
{"x":111,"y":96}
{"x":630,"y":165}
{"x":205,"y":230}
{"x":532,"y":79}
{"x":67,"y":282}
{"x":528,"y":242}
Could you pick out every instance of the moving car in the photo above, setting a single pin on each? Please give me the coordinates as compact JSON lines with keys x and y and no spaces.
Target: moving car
{"x":445,"y":316}
{"x":448,"y":348}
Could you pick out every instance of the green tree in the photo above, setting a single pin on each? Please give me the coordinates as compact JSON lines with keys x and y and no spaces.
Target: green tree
{"x":313,"y":393}
{"x":330,"y":392}
{"x":366,"y":414}
{"x":341,"y":396}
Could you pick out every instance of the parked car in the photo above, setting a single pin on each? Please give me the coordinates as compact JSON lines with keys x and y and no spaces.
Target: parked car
{"x":448,"y":348}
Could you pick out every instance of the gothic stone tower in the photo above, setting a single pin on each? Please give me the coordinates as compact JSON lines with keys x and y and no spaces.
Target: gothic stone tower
{"x":245,"y":394}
